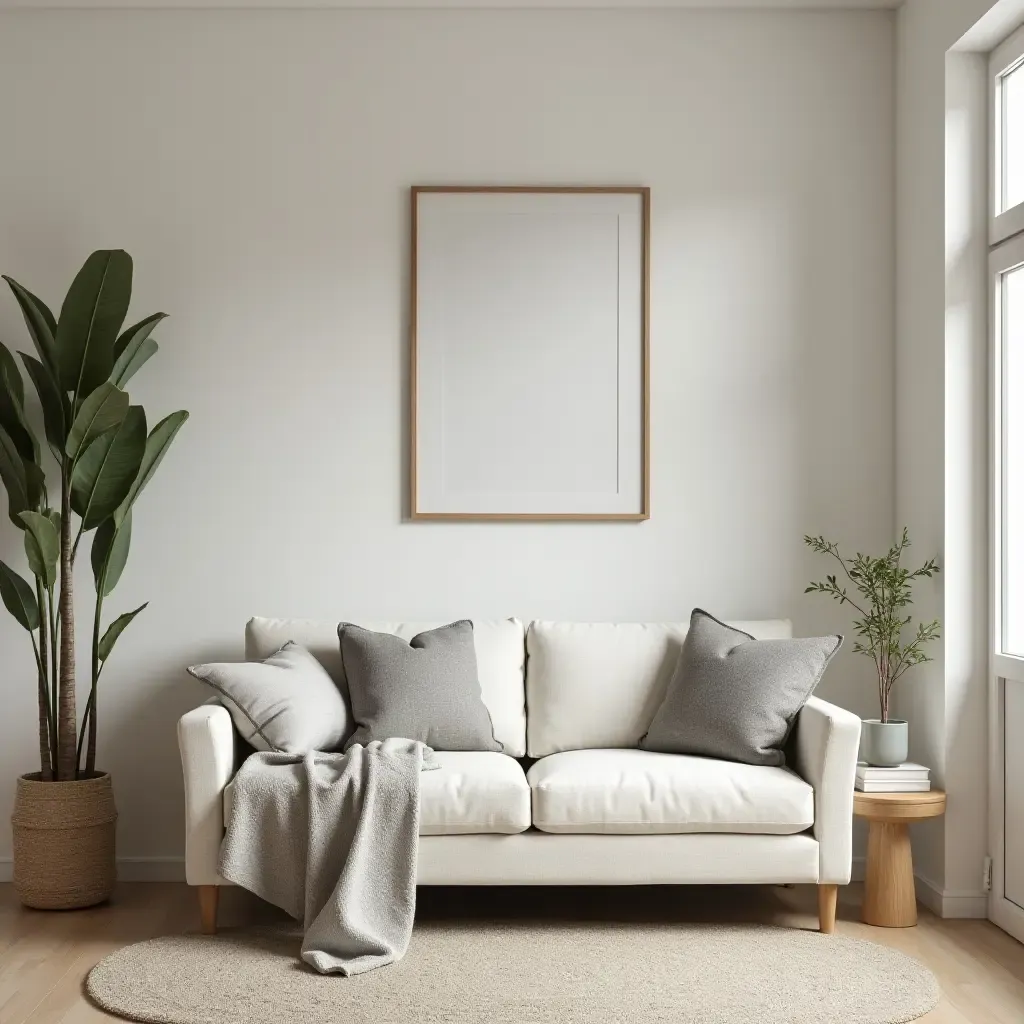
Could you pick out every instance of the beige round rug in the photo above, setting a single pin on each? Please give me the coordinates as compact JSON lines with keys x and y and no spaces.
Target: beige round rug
{"x":480,"y":973}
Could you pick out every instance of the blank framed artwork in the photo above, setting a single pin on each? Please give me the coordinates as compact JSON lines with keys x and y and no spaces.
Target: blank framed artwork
{"x":529,"y":352}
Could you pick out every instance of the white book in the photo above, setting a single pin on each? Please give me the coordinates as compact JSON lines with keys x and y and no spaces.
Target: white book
{"x":909,"y":770}
{"x":907,"y":786}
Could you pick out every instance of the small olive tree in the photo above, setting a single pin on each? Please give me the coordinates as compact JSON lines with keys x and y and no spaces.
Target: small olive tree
{"x":883,"y":587}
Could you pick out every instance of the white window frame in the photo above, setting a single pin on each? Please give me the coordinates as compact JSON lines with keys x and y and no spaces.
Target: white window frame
{"x":1007,"y":57}
{"x":1006,"y":238}
{"x":1004,"y":258}
{"x":1004,"y":667}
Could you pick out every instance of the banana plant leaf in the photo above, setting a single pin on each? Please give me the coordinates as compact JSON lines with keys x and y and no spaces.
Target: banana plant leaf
{"x":12,"y":406}
{"x":133,"y":349}
{"x":11,"y":375}
{"x":19,"y":598}
{"x":42,"y":327}
{"x":106,"y":470}
{"x":114,"y":630}
{"x":15,"y":480}
{"x":42,"y":547}
{"x":110,"y":553}
{"x":159,"y":440}
{"x":101,"y":411}
{"x":35,"y":481}
{"x":56,"y":410}
{"x":90,"y":319}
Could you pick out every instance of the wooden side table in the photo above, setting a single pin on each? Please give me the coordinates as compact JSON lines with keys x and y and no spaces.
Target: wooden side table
{"x":889,"y":897}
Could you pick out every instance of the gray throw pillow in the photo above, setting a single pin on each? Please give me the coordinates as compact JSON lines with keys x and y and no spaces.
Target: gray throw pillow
{"x":426,"y":689}
{"x":734,"y":697}
{"x":287,"y":703}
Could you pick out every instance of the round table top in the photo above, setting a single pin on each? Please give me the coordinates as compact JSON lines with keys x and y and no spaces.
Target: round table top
{"x":899,"y":806}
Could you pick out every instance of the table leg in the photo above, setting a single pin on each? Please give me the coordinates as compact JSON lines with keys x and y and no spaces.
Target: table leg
{"x":889,"y":897}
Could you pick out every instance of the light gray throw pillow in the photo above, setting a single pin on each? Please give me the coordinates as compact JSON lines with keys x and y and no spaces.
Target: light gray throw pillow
{"x":426,"y":689}
{"x":287,"y":703}
{"x":734,"y":697}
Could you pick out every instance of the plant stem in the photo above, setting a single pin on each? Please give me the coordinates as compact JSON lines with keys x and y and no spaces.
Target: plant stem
{"x":82,"y":734}
{"x":45,"y":764}
{"x":45,"y":703}
{"x":67,"y":718}
{"x":90,"y":760}
{"x":51,"y":625}
{"x":78,"y":538}
{"x":842,"y":561}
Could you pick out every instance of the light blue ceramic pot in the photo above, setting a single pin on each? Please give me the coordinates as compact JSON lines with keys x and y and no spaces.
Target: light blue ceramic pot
{"x":884,"y":744}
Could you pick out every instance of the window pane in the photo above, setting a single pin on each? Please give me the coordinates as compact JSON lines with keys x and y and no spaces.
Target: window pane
{"x":1013,"y":462}
{"x":1013,"y":143}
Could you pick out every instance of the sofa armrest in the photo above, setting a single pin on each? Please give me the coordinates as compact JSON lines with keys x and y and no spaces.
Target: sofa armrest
{"x":206,"y":738}
{"x":826,"y":743}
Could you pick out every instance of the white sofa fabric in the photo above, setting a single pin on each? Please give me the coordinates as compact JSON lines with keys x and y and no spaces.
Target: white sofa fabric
{"x":541,"y":858}
{"x":593,"y":809}
{"x":638,"y":792}
{"x":472,"y":793}
{"x":826,"y":743}
{"x":595,"y":685}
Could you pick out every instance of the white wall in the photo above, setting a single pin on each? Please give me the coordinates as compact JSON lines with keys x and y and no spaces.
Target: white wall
{"x":256,"y":166}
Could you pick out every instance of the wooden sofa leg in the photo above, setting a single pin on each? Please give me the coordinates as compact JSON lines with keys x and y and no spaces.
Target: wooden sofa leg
{"x":828,"y":896}
{"x":208,"y":896}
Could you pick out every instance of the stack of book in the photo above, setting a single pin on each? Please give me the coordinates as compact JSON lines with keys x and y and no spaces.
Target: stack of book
{"x":904,"y":778}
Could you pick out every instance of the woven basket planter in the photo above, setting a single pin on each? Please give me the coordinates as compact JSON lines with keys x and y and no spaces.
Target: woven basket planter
{"x":64,"y":836}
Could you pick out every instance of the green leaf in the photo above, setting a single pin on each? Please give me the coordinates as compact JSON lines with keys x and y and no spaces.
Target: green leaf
{"x":100,"y":412}
{"x":114,"y":630}
{"x":40,"y":322}
{"x":106,"y":470}
{"x":133,"y":349}
{"x":157,"y":443}
{"x":19,"y":598}
{"x":35,"y":482}
{"x":92,"y":314}
{"x":110,"y":553}
{"x":42,"y":546}
{"x":132,"y":360}
{"x":54,"y":404}
{"x":12,"y":406}
{"x":13,"y":475}
{"x":11,"y":375}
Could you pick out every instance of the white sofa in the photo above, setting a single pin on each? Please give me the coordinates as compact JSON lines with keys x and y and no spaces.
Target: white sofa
{"x":591,"y":808}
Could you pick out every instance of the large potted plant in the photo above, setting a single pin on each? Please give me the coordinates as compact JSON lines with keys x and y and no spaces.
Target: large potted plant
{"x":884,"y":591}
{"x":101,"y":455}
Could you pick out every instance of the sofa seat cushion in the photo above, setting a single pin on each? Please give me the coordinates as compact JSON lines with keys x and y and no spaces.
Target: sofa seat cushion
{"x":638,"y":792}
{"x":471,"y":793}
{"x":474,"y":792}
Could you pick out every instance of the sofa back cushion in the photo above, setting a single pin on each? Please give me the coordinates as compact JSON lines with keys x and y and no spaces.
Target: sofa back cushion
{"x":499,"y":658}
{"x":599,"y":684}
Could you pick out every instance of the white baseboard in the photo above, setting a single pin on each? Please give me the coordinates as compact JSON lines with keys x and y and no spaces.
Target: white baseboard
{"x":151,"y":869}
{"x":131,"y":869}
{"x":952,"y":904}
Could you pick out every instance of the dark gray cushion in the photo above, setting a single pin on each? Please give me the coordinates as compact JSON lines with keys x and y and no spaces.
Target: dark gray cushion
{"x":426,"y":689}
{"x":734,"y":697}
{"x":287,"y":703}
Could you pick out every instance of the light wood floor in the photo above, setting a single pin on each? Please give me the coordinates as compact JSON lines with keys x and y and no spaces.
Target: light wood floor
{"x":44,"y":957}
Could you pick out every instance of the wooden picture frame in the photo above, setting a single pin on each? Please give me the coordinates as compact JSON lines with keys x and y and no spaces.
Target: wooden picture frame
{"x":530,"y":352}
